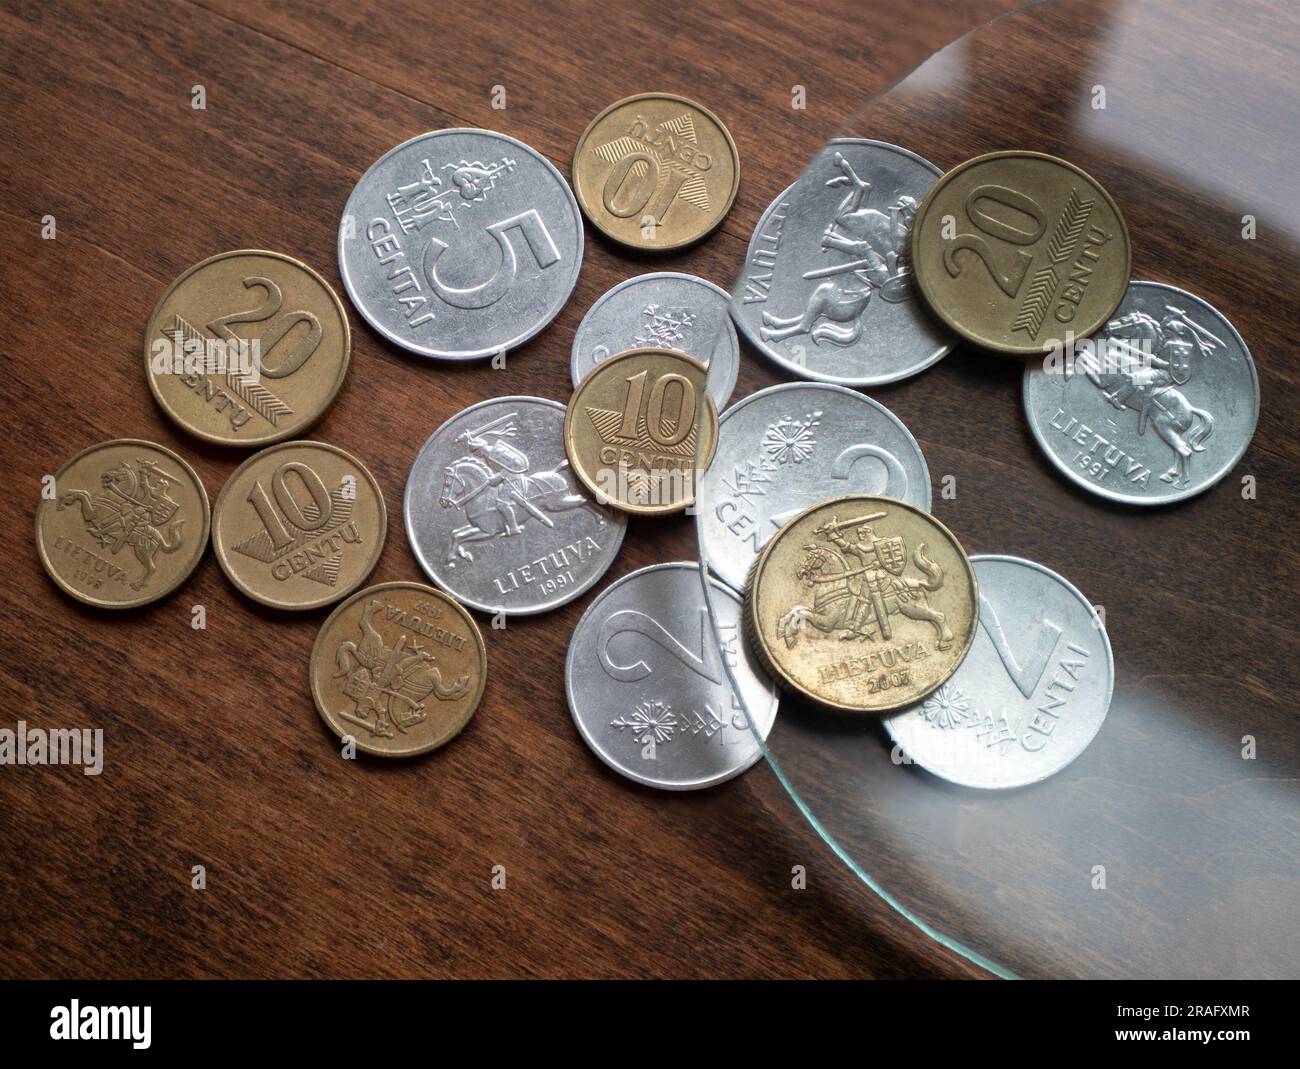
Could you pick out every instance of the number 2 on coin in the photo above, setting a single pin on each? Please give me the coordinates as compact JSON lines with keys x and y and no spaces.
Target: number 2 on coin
{"x":977,"y":207}
{"x":275,"y":333}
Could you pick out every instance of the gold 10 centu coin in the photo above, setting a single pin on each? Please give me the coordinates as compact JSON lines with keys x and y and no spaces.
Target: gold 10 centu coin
{"x":1014,"y":250}
{"x":656,"y":171}
{"x":299,"y":525}
{"x":247,"y":348}
{"x":127,"y":523}
{"x":638,"y":427}
{"x":863,"y":604}
{"x":400,"y":667}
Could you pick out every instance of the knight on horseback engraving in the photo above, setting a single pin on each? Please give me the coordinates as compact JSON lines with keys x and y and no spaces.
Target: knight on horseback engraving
{"x":1140,"y":363}
{"x":872,"y":258}
{"x":858,"y":585}
{"x":491,"y":483}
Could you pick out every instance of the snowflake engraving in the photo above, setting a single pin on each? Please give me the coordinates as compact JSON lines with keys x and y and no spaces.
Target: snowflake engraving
{"x":791,"y":441}
{"x":649,"y":720}
{"x":947,"y":707}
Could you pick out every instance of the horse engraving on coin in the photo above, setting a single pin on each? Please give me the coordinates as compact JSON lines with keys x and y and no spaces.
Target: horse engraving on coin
{"x":134,"y":510}
{"x":875,"y":245}
{"x":492,"y":485}
{"x":859,"y":584}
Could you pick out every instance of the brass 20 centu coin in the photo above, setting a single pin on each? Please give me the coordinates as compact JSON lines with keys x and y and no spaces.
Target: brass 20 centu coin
{"x":1015,"y":250}
{"x":400,"y":667}
{"x":863,"y":604}
{"x":638,"y":429}
{"x":127,"y":524}
{"x":656,"y":171}
{"x":247,"y":348}
{"x":299,"y":525}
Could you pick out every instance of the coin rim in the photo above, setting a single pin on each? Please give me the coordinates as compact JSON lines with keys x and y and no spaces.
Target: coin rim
{"x":278,"y":436}
{"x":731,"y":198}
{"x":619,"y":518}
{"x":1110,"y":689}
{"x":220,"y":551}
{"x":780,"y":387}
{"x":370,"y":591}
{"x":754,"y":631}
{"x":85,"y":599}
{"x":569,"y":447}
{"x":760,"y":748}
{"x":575,"y":355}
{"x":460,"y":355}
{"x":779,"y":358}
{"x":919,"y":224}
{"x":1181,"y":495}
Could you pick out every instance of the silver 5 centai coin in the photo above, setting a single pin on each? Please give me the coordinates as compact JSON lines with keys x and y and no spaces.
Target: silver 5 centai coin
{"x":1031,"y":693}
{"x":1158,"y":406}
{"x":827,"y":289}
{"x":459,"y":244}
{"x":648,"y":683}
{"x":791,"y":446}
{"x":496,"y":518}
{"x":662,"y":310}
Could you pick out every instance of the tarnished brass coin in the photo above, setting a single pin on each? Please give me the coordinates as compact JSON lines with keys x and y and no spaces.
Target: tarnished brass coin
{"x":656,"y":171}
{"x":247,"y":348}
{"x":863,"y":604}
{"x":400,"y":667}
{"x":1015,"y":249}
{"x":127,"y":524}
{"x":299,"y":525}
{"x":637,"y":427}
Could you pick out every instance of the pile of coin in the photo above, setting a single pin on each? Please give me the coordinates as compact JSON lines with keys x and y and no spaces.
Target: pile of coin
{"x":830,"y":580}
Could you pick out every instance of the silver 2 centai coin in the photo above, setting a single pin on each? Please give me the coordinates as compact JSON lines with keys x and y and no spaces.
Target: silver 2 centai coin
{"x":460,"y":244}
{"x":1030,"y":695}
{"x":788,"y":447}
{"x":662,"y":310}
{"x":827,"y":289}
{"x":1158,"y":406}
{"x":648,"y":683}
{"x":496,"y":518}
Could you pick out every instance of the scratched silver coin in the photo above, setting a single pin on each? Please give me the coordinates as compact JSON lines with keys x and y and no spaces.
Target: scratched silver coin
{"x":1158,"y":406}
{"x":1030,"y":695}
{"x":496,"y":518}
{"x":788,"y":447}
{"x":648,"y":682}
{"x":827,"y":288}
{"x":663,"y":310}
{"x":460,"y":244}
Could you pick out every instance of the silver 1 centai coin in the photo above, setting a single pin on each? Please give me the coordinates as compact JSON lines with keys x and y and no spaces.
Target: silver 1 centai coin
{"x":1158,"y":406}
{"x":827,"y":288}
{"x":459,"y":244}
{"x":788,"y":447}
{"x":662,"y":310}
{"x":648,"y":682}
{"x":496,"y":518}
{"x":1031,"y":693}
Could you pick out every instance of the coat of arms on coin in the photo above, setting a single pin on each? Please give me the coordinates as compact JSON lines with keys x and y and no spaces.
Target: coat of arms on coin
{"x":399,"y":667}
{"x":862,"y":603}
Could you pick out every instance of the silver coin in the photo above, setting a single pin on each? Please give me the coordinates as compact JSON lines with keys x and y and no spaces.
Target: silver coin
{"x":1031,"y":693}
{"x":662,"y":310}
{"x":1158,"y":406}
{"x":459,"y":244}
{"x":788,"y":447}
{"x":496,"y":518}
{"x":648,"y":683}
{"x":827,"y":290}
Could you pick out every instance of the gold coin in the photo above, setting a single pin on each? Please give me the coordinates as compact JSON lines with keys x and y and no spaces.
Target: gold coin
{"x":1013,"y":250}
{"x":299,"y":525}
{"x":400,"y":667}
{"x":863,"y":604}
{"x":637,"y":428}
{"x":126,"y":525}
{"x":247,"y":348}
{"x":656,"y":171}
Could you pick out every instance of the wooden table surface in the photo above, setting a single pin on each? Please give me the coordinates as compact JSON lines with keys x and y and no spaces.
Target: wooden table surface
{"x":214,"y":753}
